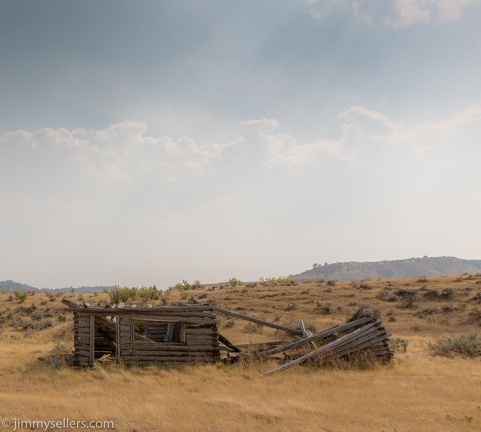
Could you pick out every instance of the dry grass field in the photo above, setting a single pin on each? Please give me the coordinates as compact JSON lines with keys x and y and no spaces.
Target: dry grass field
{"x":417,"y":392}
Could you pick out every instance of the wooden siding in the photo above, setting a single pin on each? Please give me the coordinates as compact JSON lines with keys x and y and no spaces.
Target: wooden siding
{"x":146,"y":335}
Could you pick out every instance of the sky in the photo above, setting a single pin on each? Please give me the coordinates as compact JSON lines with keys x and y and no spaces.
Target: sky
{"x":149,"y":142}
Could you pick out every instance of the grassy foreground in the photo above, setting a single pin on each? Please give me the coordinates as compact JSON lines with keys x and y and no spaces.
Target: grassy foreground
{"x":418,"y":392}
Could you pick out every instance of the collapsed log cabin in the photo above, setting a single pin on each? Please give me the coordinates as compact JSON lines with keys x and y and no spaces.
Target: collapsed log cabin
{"x":189,"y":333}
{"x":145,"y":335}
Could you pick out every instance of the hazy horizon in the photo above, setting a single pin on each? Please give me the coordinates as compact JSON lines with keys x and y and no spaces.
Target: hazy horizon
{"x":147,"y":143}
{"x":284,"y":274}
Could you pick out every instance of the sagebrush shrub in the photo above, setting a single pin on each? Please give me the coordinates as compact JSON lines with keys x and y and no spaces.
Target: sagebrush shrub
{"x":37,"y":315}
{"x":399,"y":344}
{"x":468,"y":345}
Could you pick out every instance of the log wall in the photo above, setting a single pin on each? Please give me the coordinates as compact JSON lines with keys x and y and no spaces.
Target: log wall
{"x":146,"y":335}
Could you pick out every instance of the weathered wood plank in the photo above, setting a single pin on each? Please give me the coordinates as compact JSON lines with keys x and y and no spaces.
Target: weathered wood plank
{"x":153,"y":360}
{"x":170,"y":319}
{"x":92,"y":340}
{"x":211,"y":343}
{"x":199,"y":331}
{"x":84,"y":353}
{"x":180,"y":349}
{"x":160,"y":353}
{"x":348,"y":350}
{"x":155,"y":309}
{"x":83,"y":325}
{"x":206,"y":324}
{"x":326,"y":348}
{"x":152,"y":314}
{"x":261,"y":345}
{"x":257,"y":320}
{"x":228,"y":344}
{"x":339,"y":329}
{"x":201,"y":341}
{"x":106,"y":336}
{"x":118,"y":339}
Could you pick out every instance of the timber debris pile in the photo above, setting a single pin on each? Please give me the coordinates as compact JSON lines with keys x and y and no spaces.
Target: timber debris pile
{"x":189,"y":333}
{"x":362,"y":336}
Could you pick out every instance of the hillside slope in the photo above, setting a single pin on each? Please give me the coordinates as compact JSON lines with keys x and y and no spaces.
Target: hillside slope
{"x":412,"y":267}
{"x":9,"y":285}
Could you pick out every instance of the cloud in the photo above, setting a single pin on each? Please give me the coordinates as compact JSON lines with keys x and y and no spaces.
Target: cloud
{"x":316,"y":14}
{"x":264,"y":125}
{"x":398,"y":14}
{"x":19,"y":136}
{"x":281,"y":149}
{"x":363,"y":16}
{"x":118,"y":152}
{"x":317,"y":9}
{"x":125,"y":153}
{"x":365,"y":136}
{"x":411,"y":12}
{"x":450,"y":10}
{"x":284,"y":150}
{"x":365,"y":129}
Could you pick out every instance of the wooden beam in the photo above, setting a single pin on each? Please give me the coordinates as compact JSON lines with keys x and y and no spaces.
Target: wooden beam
{"x":106,"y":335}
{"x":117,"y":339}
{"x":303,"y":329}
{"x":105,"y":322}
{"x":257,"y":320}
{"x":261,"y":345}
{"x":228,"y":344}
{"x":149,"y":310}
{"x":326,"y":348}
{"x":70,"y":304}
{"x":323,"y":335}
{"x":92,"y":340}
{"x":307,"y":333}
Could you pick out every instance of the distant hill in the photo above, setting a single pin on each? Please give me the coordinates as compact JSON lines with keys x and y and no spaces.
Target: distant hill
{"x":9,"y":285}
{"x":412,"y":267}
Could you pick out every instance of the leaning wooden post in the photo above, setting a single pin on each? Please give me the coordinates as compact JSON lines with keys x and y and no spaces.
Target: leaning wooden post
{"x":92,"y":340}
{"x":117,"y":338}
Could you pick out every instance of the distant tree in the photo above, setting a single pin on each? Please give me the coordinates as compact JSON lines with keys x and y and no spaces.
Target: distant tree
{"x":197,"y":284}
{"x":183,"y":286}
{"x":20,"y":295}
{"x":233,"y":282}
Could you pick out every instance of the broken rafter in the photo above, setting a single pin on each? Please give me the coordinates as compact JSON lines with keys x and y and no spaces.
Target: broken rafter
{"x":363,"y":337}
{"x":339,"y":329}
{"x":228,"y":344}
{"x":257,"y":320}
{"x":106,"y":335}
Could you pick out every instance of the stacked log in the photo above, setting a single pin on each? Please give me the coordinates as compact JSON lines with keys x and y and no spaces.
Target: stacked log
{"x":200,"y":345}
{"x":170,"y":334}
{"x":364,"y":335}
